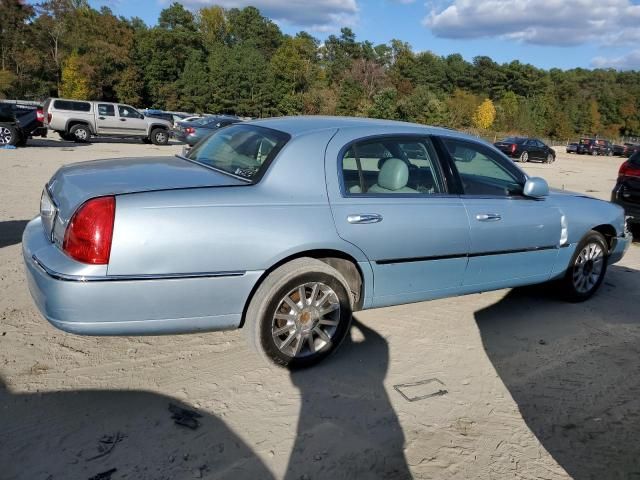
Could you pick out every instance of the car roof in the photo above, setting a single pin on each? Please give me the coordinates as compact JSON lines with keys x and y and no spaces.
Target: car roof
{"x":301,"y":125}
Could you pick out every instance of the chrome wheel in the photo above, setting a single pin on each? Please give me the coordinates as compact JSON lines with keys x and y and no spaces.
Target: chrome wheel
{"x":524,"y":158}
{"x":306,"y":320}
{"x":81,"y":134}
{"x":588,"y":267}
{"x":550,"y":158}
{"x":161,"y":137}
{"x":5,"y":136}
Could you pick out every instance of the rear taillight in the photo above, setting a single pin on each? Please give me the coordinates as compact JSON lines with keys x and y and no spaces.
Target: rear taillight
{"x":40,"y":115}
{"x":513,"y":148}
{"x":189,"y":130}
{"x":627,"y":169}
{"x":89,"y":234}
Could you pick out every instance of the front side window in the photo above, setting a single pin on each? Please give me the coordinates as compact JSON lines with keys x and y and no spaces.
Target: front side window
{"x":483,"y":171}
{"x":106,"y":110}
{"x":391,"y":166}
{"x":128,"y":112}
{"x":241,"y":150}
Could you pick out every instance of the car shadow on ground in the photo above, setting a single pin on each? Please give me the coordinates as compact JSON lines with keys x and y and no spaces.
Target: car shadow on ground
{"x":11,"y":232}
{"x":54,"y":142}
{"x":84,"y":433}
{"x":574,"y":372}
{"x":346,"y":428}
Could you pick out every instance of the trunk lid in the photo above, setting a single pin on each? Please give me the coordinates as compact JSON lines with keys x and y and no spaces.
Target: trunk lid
{"x":74,"y":184}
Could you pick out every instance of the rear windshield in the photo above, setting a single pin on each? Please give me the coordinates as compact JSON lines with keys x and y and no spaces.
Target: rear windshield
{"x":73,"y":106}
{"x":244,"y":151}
{"x":512,"y":140}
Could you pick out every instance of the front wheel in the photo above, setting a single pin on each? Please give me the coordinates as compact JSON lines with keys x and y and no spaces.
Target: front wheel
{"x":524,"y":158}
{"x":300,"y":314}
{"x":587,"y":268}
{"x":159,"y":136}
{"x":550,"y":158}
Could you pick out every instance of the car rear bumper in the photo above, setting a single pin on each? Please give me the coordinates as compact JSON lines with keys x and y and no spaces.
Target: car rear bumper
{"x":152,"y":305}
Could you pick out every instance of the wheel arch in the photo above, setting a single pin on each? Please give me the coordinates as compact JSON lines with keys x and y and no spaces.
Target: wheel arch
{"x":608,"y":231}
{"x":73,"y":122}
{"x":343,"y":262}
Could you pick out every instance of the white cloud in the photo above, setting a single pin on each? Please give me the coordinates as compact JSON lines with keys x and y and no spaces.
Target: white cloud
{"x":542,"y":22}
{"x":317,"y":15}
{"x":629,"y":61}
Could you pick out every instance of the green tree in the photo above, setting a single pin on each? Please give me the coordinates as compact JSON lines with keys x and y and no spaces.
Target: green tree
{"x":74,"y":82}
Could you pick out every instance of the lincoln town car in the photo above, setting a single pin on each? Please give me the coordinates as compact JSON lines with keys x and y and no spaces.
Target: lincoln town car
{"x":283,"y":227}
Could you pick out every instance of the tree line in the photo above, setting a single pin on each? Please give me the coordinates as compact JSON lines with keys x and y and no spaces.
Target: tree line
{"x":238,"y":61}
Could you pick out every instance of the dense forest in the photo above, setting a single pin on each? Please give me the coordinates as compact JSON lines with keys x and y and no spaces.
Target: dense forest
{"x":238,"y":61}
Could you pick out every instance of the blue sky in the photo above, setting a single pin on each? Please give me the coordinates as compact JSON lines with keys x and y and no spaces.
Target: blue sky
{"x":546,"y":33}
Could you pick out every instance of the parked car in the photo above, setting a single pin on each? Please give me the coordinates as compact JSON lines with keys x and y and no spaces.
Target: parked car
{"x":605,"y":147}
{"x":285,"y":226}
{"x":572,"y":147}
{"x":195,"y":131}
{"x":621,"y":150}
{"x":525,"y":149}
{"x":626,"y":193}
{"x":592,"y":146}
{"x":80,"y":120}
{"x":171,"y":117}
{"x":631,"y":149}
{"x":20,"y":121}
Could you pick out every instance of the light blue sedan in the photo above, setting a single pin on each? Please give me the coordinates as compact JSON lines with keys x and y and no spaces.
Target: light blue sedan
{"x":284,"y":227}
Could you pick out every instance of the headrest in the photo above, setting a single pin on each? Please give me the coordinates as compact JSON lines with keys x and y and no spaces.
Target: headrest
{"x":394,"y":174}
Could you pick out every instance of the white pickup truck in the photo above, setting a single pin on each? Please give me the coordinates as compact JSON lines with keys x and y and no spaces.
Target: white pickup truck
{"x":80,"y":120}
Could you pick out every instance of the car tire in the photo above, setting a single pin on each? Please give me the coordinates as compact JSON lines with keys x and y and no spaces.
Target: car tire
{"x":159,"y":136}
{"x":67,"y":137}
{"x":302,"y":336}
{"x":583,"y":277}
{"x":524,"y":157}
{"x":594,"y":153}
{"x":8,"y":135}
{"x":550,"y":158}
{"x":80,"y":133}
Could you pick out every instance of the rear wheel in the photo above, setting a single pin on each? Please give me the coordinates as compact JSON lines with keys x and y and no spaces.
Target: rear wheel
{"x":80,"y":133}
{"x":587,"y":268}
{"x":300,"y":314}
{"x":8,"y":135}
{"x":524,"y":158}
{"x":159,"y":136}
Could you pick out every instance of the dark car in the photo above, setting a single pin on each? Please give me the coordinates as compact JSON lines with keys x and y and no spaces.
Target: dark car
{"x":20,"y":121}
{"x":572,"y":147}
{"x":524,"y":149}
{"x":595,"y":146}
{"x":198,"y":129}
{"x":626,"y":193}
{"x":631,"y":149}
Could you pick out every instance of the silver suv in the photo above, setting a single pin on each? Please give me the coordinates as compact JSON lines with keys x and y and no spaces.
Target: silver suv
{"x":79,"y":120}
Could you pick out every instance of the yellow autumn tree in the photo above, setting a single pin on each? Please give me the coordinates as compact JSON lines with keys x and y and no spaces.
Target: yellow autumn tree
{"x":74,"y":83}
{"x":485,"y":115}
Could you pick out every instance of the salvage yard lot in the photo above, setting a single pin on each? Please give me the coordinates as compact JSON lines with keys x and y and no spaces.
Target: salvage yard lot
{"x":506,"y":384}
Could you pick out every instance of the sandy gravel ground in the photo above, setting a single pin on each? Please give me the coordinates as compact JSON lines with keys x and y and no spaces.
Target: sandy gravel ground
{"x":526,"y":386}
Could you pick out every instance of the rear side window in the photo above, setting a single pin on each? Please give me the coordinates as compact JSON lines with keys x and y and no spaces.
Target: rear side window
{"x":72,"y":106}
{"x":244,"y":151}
{"x":391,"y":166}
{"x":106,"y":110}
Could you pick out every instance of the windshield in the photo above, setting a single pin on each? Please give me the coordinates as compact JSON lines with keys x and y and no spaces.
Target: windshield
{"x":241,"y":150}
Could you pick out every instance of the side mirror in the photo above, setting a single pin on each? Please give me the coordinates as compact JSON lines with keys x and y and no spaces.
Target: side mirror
{"x":536,"y":187}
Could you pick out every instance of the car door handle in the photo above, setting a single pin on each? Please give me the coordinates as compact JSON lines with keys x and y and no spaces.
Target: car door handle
{"x":101,"y":118}
{"x":123,"y":119}
{"x":364,"y":218}
{"x":488,"y":217}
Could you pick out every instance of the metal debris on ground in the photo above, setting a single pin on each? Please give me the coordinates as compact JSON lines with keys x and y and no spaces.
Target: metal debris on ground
{"x":412,"y":392}
{"x":184,"y":417}
{"x":104,"y":475}
{"x":106,"y":444}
